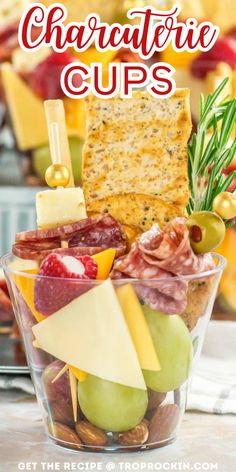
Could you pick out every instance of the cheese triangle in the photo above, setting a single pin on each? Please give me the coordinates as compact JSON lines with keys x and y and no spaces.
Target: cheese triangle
{"x":90,"y":333}
{"x":26,"y":109}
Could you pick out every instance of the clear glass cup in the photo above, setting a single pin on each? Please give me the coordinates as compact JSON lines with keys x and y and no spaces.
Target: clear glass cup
{"x":110,"y":416}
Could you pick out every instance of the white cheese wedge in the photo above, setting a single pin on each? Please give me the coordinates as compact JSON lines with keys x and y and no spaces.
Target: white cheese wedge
{"x":91,"y":334}
{"x":60,"y":207}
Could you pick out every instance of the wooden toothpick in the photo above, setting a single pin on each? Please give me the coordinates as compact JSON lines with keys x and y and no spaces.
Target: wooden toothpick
{"x":61,"y":373}
{"x":73,"y":389}
{"x":59,"y":147}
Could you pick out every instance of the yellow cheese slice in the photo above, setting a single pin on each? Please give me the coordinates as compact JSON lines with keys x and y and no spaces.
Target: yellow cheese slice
{"x":25,"y":284}
{"x":138,"y":327}
{"x":79,"y":374}
{"x":180,"y":59}
{"x":93,"y":55}
{"x":90,"y":333}
{"x":75,"y":116}
{"x":26,"y":287}
{"x":26,"y":109}
{"x":104,"y":261}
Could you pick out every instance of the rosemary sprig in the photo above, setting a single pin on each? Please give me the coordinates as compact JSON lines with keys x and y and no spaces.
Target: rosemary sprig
{"x":208,"y":158}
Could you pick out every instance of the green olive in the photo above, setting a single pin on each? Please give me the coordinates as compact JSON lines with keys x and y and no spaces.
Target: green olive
{"x":206,"y":231}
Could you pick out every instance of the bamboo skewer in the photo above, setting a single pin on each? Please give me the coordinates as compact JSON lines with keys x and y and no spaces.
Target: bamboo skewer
{"x":60,"y":154}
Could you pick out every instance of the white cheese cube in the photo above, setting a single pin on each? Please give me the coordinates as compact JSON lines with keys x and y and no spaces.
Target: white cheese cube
{"x":60,"y":207}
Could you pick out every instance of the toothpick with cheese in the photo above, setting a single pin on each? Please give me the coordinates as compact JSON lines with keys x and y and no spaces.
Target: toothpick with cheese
{"x":65,"y":204}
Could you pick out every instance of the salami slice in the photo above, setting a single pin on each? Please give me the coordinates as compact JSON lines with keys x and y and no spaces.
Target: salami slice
{"x":135,"y":266}
{"x":88,"y":236}
{"x":61,"y":232}
{"x":157,"y":258}
{"x":157,"y":300}
{"x":104,"y":233}
{"x":168,"y":293}
{"x":24,"y":252}
{"x":172,"y":252}
{"x":35,"y":250}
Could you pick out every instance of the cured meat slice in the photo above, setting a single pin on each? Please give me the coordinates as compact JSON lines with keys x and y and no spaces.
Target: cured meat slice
{"x":61,"y":232}
{"x":44,"y":245}
{"x":172,"y":251}
{"x":105,"y":232}
{"x":88,"y":236}
{"x":157,"y":300}
{"x":35,"y":250}
{"x":24,"y":252}
{"x":134,"y":265}
{"x":167,"y":294}
{"x":158,"y":257}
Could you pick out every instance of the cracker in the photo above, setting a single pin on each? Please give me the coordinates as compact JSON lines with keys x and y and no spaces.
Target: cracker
{"x":199,"y":292}
{"x":140,"y":211}
{"x":138,"y":146}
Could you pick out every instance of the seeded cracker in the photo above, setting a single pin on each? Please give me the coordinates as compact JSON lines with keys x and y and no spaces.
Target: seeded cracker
{"x":136,"y":150}
{"x":136,"y":210}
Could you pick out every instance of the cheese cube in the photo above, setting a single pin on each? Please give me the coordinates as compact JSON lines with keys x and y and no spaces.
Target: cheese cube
{"x":60,"y":207}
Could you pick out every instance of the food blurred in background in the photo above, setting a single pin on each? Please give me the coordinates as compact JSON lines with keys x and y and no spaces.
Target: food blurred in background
{"x":28,"y":78}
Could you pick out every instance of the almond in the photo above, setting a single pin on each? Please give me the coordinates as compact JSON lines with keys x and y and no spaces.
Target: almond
{"x":135,"y":436}
{"x":91,"y":435}
{"x":155,"y":399}
{"x":163,"y":423}
{"x":64,"y":433}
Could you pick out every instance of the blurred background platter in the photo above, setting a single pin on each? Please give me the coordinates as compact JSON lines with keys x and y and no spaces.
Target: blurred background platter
{"x":12,"y":358}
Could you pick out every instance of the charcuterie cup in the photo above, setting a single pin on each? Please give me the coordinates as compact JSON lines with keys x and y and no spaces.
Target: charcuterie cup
{"x":111,"y":373}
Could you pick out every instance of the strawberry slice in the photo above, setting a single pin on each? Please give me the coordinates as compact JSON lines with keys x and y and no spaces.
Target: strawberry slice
{"x":66,"y":280}
{"x":224,"y":50}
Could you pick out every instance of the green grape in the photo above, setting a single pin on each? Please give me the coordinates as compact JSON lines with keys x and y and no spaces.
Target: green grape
{"x":111,"y":406}
{"x":173,"y":345}
{"x":42,"y":159}
{"x":76,"y":148}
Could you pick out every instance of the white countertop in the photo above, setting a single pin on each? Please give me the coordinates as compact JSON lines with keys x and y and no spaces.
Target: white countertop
{"x":206,"y":442}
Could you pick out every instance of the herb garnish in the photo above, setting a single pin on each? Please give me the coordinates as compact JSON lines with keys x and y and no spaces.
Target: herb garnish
{"x":208,"y":159}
